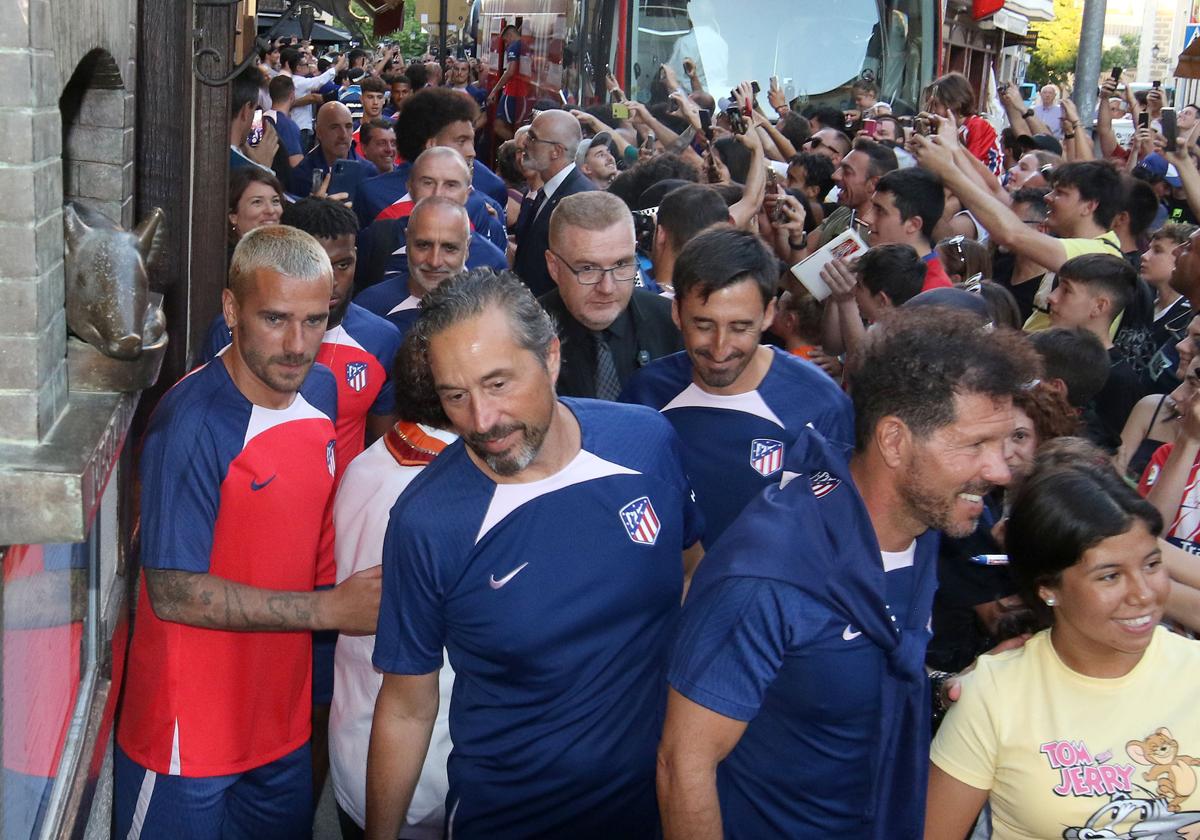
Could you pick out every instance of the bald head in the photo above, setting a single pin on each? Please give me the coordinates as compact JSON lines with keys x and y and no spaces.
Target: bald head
{"x":551,"y":143}
{"x":440,"y":171}
{"x":334,"y":130}
{"x":437,"y":241}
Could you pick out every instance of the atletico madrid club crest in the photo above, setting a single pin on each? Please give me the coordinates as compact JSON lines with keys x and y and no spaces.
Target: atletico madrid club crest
{"x":766,"y":455}
{"x":356,"y":375}
{"x":640,"y":521}
{"x":823,"y":483}
{"x":330,"y":457}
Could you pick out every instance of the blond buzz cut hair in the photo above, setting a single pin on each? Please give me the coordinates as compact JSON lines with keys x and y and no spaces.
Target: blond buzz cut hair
{"x":279,"y":248}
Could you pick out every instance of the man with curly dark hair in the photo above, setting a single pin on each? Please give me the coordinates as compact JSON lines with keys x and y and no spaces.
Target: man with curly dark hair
{"x":435,"y":117}
{"x":805,"y":627}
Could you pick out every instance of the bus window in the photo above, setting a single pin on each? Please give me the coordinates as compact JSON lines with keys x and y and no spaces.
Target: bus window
{"x":816,"y":49}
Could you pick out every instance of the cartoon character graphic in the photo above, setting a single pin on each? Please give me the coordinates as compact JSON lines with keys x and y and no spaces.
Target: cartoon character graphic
{"x":1126,"y":818}
{"x":1174,"y":773}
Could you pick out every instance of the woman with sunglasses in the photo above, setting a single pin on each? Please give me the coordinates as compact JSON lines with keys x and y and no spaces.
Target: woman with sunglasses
{"x":1090,"y":729}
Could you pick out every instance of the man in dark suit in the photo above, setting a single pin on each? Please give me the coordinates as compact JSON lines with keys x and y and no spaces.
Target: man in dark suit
{"x":608,"y":328}
{"x":550,"y":146}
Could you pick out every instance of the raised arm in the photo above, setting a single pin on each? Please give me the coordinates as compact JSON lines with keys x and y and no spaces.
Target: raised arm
{"x":1002,"y":225}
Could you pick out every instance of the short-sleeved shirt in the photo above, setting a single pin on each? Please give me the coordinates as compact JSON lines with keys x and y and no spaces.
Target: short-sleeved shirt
{"x":1067,"y":755}
{"x":734,"y":445}
{"x":983,"y":143}
{"x":360,"y":352}
{"x":553,"y":599}
{"x":1106,"y":243}
{"x":807,"y":682}
{"x":240,"y":492}
{"x":369,"y":488}
{"x":289,"y":133}
{"x":518,"y":82}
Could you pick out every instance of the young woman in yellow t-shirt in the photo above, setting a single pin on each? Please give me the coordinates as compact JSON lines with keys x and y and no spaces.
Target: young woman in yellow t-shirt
{"x":1092,"y":729}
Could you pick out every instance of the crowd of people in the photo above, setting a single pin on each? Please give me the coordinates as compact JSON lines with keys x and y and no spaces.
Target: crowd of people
{"x":559,"y":499}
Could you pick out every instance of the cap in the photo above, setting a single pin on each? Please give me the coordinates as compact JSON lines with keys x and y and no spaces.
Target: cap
{"x":1154,"y":167}
{"x":1040,"y":142}
{"x":951,"y":298}
{"x":601,"y":138}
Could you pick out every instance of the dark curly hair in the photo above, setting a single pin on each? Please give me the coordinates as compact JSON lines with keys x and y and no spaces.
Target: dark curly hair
{"x":914,"y":362}
{"x":630,"y":184}
{"x":426,"y":113}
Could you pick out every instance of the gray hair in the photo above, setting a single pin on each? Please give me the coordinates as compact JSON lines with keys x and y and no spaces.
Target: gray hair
{"x":285,"y":250}
{"x":458,"y":299}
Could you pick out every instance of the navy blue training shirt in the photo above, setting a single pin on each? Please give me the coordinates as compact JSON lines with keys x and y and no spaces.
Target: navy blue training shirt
{"x":553,"y":599}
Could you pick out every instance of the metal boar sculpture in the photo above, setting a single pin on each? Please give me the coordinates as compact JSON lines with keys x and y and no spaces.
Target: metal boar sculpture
{"x":106,"y":282}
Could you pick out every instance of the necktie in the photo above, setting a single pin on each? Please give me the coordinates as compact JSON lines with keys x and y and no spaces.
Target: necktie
{"x":529,"y":211}
{"x":607,"y":383}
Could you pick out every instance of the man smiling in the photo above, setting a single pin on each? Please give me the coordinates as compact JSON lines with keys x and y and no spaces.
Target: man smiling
{"x":804,"y":630}
{"x":736,"y":404}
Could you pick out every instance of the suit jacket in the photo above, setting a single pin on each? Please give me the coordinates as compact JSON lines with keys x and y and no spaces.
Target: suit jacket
{"x":534,"y":238}
{"x":642,"y":333}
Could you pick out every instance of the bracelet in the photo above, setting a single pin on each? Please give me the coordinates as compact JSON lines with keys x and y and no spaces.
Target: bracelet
{"x":796,"y":247}
{"x":1070,"y":136}
{"x":937,"y":679}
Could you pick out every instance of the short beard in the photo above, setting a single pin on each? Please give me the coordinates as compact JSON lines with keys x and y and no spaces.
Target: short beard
{"x":935,"y":511}
{"x":515,"y":459}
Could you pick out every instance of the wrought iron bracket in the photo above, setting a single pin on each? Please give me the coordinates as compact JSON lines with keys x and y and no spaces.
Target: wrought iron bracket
{"x":200,"y":52}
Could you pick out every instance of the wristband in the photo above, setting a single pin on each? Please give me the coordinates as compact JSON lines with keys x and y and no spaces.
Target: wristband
{"x":797,"y":247}
{"x":1028,"y":114}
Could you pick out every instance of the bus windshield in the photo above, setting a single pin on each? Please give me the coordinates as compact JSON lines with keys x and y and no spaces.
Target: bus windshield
{"x":815,"y":48}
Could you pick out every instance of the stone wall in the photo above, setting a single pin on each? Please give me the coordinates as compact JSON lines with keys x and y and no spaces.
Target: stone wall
{"x":42,"y":44}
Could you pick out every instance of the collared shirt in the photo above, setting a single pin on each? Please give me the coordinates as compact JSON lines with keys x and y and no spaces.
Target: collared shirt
{"x":554,"y":183}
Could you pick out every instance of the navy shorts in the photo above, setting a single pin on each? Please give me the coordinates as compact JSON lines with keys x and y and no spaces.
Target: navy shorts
{"x":272,"y":802}
{"x":512,"y":109}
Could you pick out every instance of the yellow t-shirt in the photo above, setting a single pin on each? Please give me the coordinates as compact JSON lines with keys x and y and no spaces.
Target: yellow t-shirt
{"x":1105,"y":243}
{"x":1059,"y":751}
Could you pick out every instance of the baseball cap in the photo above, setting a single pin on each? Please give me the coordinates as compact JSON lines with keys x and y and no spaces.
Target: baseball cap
{"x":1156,"y":167}
{"x":602,"y":138}
{"x":1040,"y":142}
{"x":951,"y":298}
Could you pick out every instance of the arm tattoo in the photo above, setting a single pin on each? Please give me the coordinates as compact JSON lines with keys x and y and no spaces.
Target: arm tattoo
{"x":204,"y":600}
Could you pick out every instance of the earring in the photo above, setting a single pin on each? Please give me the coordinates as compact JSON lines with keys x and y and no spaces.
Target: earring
{"x":1051,"y":601}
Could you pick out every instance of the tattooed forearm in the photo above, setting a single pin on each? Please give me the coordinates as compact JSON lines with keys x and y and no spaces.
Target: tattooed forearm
{"x":204,"y":600}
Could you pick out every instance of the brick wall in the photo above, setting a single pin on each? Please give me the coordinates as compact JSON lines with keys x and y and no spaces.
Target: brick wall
{"x":46,"y":53}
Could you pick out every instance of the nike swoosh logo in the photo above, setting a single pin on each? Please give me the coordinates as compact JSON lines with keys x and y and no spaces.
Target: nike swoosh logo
{"x":850,"y":635}
{"x":496,"y":584}
{"x":254,"y":485}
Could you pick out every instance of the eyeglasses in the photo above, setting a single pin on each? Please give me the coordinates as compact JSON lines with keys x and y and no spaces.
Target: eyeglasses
{"x":625,"y":272}
{"x":533,"y":138}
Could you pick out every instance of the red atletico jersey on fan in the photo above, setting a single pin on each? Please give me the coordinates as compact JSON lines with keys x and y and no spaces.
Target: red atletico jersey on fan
{"x":242,"y":493}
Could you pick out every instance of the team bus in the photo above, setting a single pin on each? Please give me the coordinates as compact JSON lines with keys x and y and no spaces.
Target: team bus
{"x":816,"y":49}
